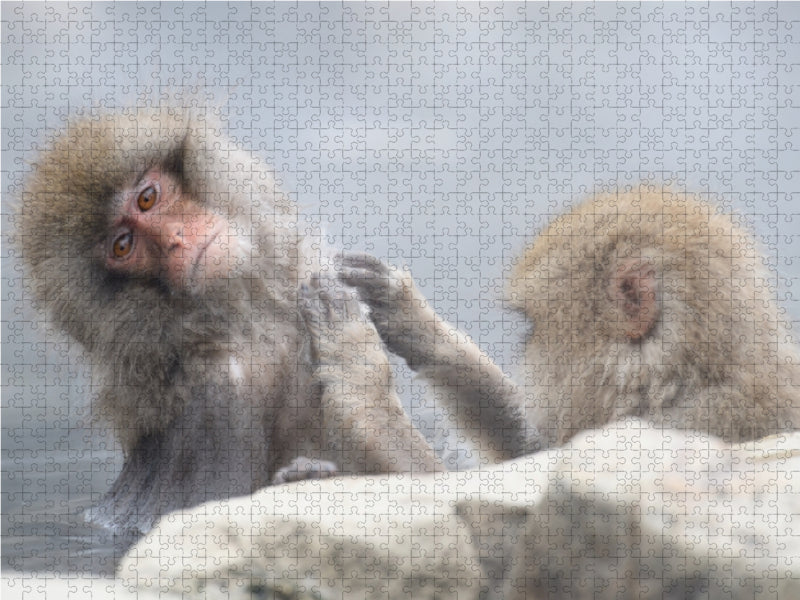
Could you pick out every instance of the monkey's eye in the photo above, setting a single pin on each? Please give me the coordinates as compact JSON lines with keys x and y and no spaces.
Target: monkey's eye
{"x":123,"y":244}
{"x":147,"y":198}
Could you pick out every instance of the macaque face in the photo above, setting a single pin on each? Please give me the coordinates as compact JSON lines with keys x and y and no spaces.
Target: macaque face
{"x":160,"y":232}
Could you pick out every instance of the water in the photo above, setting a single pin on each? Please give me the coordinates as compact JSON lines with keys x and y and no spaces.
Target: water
{"x":55,"y":464}
{"x":51,"y":473}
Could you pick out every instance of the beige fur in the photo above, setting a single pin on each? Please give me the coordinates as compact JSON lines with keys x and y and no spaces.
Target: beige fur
{"x":644,"y":303}
{"x":718,"y":358}
{"x":210,"y":392}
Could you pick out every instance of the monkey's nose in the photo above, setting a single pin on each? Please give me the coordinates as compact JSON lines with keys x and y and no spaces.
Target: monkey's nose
{"x":175,"y":240}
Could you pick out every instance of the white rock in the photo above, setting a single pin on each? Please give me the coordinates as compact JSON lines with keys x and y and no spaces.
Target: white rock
{"x":626,"y":511}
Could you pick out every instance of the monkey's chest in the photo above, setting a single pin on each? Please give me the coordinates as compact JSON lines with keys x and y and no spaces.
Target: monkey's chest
{"x":283,"y":383}
{"x":278,"y":393}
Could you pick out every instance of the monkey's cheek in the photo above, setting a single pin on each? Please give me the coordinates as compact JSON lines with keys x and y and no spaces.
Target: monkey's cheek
{"x":218,"y":261}
{"x":186,"y":275}
{"x":215,"y":269}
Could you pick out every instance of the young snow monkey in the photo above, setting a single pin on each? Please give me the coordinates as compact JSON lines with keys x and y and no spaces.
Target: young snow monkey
{"x":646,"y":303}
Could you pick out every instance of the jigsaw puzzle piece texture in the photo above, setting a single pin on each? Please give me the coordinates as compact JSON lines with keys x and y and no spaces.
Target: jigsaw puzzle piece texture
{"x":441,"y":137}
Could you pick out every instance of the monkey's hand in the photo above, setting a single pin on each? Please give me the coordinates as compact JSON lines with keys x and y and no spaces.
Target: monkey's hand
{"x":483,"y":398}
{"x":366,"y":428}
{"x":401,"y":314}
{"x":329,"y":308}
{"x":302,"y":468}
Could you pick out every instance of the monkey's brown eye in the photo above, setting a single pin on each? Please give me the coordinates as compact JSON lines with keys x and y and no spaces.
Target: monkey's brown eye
{"x":147,"y":198}
{"x":123,"y":245}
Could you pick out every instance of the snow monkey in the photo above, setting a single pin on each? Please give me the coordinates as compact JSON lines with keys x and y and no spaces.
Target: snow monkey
{"x":647,"y":303}
{"x":225,"y":356}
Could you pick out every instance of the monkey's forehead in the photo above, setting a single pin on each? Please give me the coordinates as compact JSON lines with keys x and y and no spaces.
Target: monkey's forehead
{"x":666,"y":217}
{"x":123,"y":142}
{"x":96,"y":153}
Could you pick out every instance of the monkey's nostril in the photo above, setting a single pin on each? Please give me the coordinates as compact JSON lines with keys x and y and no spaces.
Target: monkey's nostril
{"x":176,"y":240}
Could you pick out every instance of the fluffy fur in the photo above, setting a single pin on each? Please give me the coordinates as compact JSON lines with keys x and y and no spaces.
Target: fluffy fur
{"x":716,"y":356}
{"x":209,"y":393}
{"x":647,"y":303}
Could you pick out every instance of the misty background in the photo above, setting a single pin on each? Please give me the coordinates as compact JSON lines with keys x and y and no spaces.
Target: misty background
{"x":438,"y":137}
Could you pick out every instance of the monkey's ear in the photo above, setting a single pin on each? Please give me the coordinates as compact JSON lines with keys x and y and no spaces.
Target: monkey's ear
{"x":633,"y":288}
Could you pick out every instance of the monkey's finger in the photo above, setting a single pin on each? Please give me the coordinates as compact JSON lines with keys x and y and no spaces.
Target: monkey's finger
{"x":329,"y":306}
{"x":315,"y":305}
{"x":308,"y":294}
{"x":313,"y":282}
{"x":358,"y":277}
{"x":366,"y":262}
{"x":358,"y":268}
{"x":365,"y":276}
{"x":339,"y":302}
{"x":376,"y":290}
{"x":361,"y":259}
{"x":309,"y":309}
{"x":376,"y":296}
{"x":302,"y":468}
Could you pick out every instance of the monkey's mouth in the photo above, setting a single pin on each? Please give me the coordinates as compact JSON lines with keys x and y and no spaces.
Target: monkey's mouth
{"x":199,"y":266}
{"x":202,"y":252}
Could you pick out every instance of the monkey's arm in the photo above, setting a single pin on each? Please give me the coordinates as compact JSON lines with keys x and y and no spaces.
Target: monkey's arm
{"x":486,"y":402}
{"x":366,"y":427}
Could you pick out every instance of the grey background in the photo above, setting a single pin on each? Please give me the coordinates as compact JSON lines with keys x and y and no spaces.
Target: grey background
{"x":440,"y":137}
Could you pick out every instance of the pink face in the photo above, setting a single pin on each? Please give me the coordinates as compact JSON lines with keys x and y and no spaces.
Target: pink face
{"x":160,"y":231}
